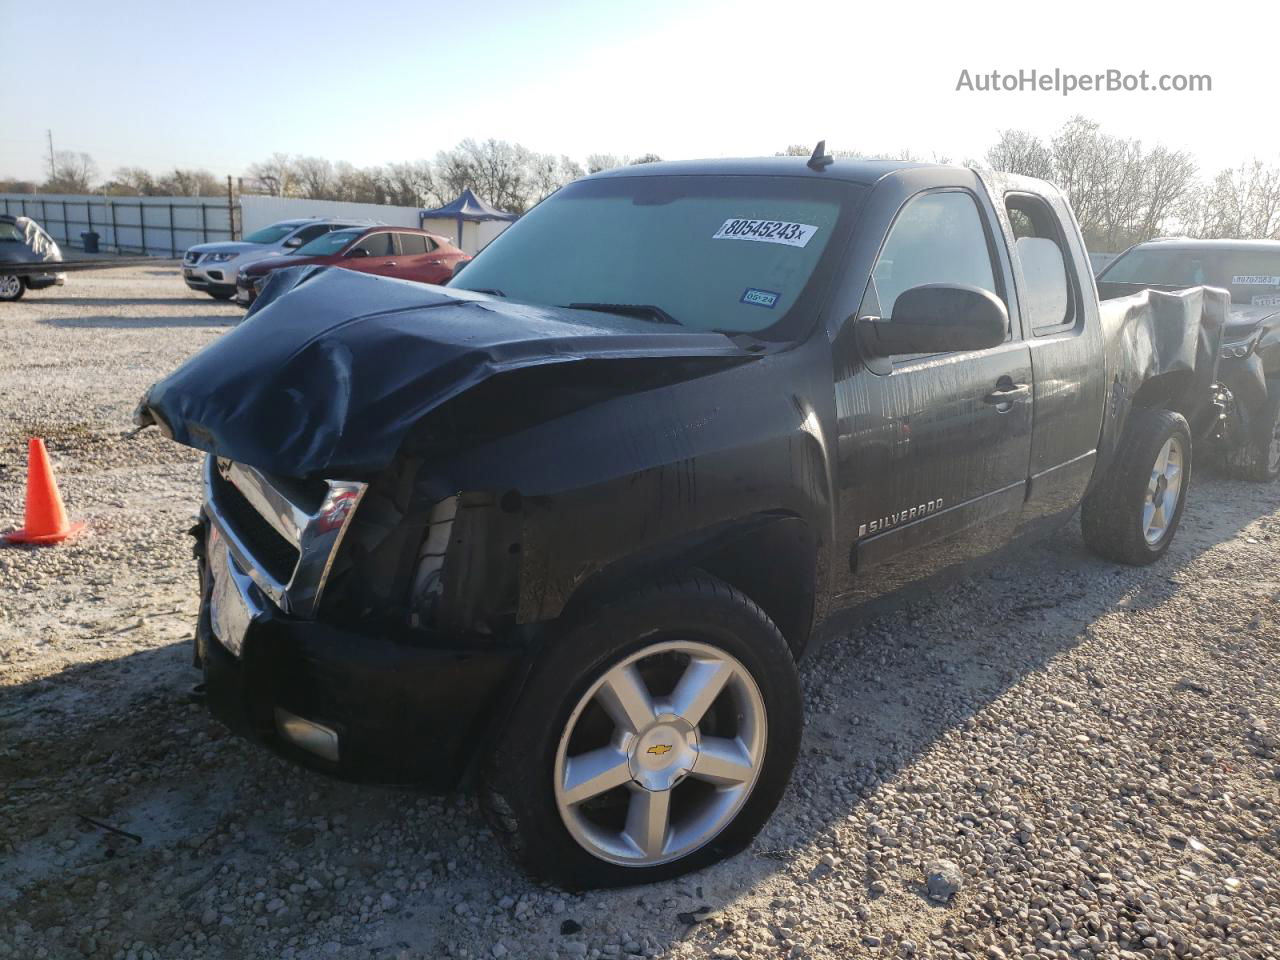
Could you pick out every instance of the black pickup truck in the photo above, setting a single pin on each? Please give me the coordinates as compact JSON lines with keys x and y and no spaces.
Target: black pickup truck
{"x":570,"y":523}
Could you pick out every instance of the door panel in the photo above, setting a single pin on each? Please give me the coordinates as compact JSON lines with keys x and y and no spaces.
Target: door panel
{"x":380,"y":256}
{"x":933,"y":464}
{"x":935,"y":450}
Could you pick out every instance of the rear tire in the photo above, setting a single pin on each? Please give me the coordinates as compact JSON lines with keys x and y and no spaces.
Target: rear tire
{"x":1258,"y":458}
{"x":1132,"y":515}
{"x":12,"y":287}
{"x":655,"y":736}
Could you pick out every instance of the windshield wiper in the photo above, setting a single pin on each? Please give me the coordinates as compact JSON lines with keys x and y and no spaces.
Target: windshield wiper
{"x":645,"y":311}
{"x":492,"y":291}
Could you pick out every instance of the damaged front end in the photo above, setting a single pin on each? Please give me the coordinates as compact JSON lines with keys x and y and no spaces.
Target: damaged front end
{"x":362,"y":540}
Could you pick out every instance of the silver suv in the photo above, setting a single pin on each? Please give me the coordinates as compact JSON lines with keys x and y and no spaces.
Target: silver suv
{"x":211,"y":267}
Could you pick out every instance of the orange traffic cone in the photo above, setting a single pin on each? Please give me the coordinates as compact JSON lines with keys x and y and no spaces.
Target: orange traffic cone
{"x":46,"y":520}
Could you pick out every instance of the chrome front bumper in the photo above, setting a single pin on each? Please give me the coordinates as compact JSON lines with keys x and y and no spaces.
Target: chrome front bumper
{"x":271,"y":539}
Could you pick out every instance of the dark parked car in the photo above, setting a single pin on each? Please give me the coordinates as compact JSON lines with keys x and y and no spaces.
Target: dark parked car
{"x":572,"y":521}
{"x":22,"y":240}
{"x":387,"y":251}
{"x":1250,"y":367}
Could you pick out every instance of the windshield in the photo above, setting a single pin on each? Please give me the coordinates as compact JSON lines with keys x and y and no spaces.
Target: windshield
{"x":328,"y":243}
{"x":271,"y":234}
{"x":1252,"y":276}
{"x":729,"y":253}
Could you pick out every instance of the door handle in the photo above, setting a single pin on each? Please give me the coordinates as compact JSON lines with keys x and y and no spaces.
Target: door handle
{"x":390,"y":263}
{"x":1005,"y":393}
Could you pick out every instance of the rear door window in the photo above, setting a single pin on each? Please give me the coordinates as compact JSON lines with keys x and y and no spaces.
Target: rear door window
{"x":412,"y":244}
{"x":1048,"y":300}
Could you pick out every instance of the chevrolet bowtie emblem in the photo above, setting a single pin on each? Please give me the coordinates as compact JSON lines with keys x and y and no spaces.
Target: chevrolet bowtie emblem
{"x":659,"y":749}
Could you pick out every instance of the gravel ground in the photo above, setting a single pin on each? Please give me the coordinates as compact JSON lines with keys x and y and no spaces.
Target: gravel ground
{"x":1059,"y":758}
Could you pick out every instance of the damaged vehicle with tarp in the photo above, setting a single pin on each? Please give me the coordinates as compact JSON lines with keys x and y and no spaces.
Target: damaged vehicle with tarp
{"x":23,"y":241}
{"x":1248,"y":445}
{"x":565,"y":529}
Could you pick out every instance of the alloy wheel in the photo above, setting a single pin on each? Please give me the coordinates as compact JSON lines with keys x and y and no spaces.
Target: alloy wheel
{"x":1163,"y":491}
{"x":660,"y":753}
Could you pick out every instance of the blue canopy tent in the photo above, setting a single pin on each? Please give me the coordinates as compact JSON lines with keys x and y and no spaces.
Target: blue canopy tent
{"x":467,"y":208}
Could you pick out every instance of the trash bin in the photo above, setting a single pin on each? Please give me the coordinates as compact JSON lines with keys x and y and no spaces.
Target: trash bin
{"x":90,"y":241}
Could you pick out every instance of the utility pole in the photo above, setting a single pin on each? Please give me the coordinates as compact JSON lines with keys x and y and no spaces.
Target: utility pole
{"x":231,"y":211}
{"x":53,"y":172}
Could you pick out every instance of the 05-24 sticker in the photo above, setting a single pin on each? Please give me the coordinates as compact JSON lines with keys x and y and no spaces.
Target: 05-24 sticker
{"x":766,"y":231}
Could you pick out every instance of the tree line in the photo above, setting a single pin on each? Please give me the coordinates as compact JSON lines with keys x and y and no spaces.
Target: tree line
{"x":1122,"y":191}
{"x":508,"y":175}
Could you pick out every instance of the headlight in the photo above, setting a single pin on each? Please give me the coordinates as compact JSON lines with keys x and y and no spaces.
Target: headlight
{"x":220,"y":257}
{"x":1237,"y":351}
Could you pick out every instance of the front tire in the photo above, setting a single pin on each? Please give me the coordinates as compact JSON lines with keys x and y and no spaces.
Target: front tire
{"x":11,"y":287}
{"x":1132,"y":515}
{"x":1258,"y":458}
{"x":654,"y":737}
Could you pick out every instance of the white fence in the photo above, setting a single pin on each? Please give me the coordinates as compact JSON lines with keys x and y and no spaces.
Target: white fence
{"x":257,"y":212}
{"x":151,"y":226}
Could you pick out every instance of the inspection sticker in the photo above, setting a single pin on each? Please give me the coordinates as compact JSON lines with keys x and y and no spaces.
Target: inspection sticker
{"x":761,"y":298}
{"x":1252,"y":281}
{"x":766,"y":231}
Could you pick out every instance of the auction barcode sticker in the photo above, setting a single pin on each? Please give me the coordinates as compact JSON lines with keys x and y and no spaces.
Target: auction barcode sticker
{"x":766,"y":231}
{"x":1252,"y":281}
{"x":1269,"y":301}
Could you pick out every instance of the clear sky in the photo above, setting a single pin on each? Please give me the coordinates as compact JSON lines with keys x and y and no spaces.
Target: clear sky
{"x":219,"y":85}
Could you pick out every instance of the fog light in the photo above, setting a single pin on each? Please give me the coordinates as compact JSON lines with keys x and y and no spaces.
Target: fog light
{"x":312,"y":737}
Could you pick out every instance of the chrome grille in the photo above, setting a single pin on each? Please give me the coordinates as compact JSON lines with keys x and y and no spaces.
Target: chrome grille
{"x":283,"y":533}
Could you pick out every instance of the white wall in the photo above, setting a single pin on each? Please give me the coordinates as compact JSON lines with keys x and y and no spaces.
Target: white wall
{"x":476,"y":235}
{"x":157,"y":226}
{"x":257,"y":212}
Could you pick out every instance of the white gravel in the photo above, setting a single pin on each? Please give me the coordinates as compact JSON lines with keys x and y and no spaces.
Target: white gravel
{"x":1059,"y":758}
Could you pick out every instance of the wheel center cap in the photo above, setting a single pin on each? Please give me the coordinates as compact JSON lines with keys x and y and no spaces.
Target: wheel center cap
{"x":664,"y":753}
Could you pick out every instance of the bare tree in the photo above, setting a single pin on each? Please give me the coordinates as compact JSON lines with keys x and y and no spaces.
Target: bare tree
{"x":498,"y":171}
{"x":314,"y":177}
{"x":73,"y":172}
{"x":411,"y":184}
{"x":189,"y":183}
{"x":548,"y":173}
{"x":604,"y":161}
{"x":647,"y":158}
{"x":1017,"y":151}
{"x":130,"y":182}
{"x":275,"y":176}
{"x":1242,"y":203}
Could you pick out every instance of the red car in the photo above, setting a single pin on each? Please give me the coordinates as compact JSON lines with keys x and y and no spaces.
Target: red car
{"x":400,"y":252}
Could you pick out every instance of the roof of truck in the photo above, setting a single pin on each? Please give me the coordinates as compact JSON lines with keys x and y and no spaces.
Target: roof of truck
{"x":857,"y":171}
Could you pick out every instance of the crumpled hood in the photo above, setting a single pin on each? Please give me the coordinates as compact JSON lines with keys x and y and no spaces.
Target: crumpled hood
{"x":330,"y":374}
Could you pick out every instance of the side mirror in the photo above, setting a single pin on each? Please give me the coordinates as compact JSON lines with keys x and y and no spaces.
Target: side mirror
{"x":293,"y":242}
{"x":358,"y":252}
{"x":936,"y":318}
{"x":459,"y":264}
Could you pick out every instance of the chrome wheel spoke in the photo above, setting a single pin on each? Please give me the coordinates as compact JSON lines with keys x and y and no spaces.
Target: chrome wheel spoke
{"x":701,"y":683}
{"x":657,"y":749}
{"x":1162,"y":460}
{"x":1148,"y":516}
{"x":648,"y":819}
{"x":590,"y":774}
{"x":723,"y":762}
{"x":626,"y":699}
